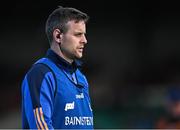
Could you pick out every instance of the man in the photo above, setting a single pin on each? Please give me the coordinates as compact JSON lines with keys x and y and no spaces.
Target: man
{"x":171,"y":119}
{"x":54,"y":91}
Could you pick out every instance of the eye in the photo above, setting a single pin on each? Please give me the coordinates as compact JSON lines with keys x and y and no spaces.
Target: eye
{"x":78,"y":34}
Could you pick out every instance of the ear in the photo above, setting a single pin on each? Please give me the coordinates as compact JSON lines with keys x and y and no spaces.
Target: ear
{"x":57,"y":35}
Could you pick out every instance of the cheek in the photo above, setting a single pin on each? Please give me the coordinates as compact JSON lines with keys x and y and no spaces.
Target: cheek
{"x":178,"y":108}
{"x":69,"y":47}
{"x":70,"y":43}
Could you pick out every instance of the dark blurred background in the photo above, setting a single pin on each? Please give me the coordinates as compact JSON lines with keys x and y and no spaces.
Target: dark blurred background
{"x":132,"y":57}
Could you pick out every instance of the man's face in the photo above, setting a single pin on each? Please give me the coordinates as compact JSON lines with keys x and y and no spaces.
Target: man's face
{"x":74,"y":40}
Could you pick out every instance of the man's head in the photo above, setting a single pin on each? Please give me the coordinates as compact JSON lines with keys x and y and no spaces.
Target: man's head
{"x":66,"y":27}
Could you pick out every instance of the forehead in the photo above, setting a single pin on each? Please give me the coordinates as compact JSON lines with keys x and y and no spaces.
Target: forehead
{"x":76,"y":25}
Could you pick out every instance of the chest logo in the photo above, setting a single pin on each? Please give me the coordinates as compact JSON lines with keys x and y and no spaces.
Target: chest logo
{"x":69,"y":106}
{"x":79,"y":96}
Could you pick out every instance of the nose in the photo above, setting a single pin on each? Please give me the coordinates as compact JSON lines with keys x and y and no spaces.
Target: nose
{"x":84,"y":40}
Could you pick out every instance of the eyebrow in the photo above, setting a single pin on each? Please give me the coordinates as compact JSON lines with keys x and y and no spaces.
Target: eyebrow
{"x":79,"y":32}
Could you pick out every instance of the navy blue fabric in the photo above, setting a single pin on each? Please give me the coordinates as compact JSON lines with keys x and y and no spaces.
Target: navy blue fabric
{"x":34,"y":78}
{"x":174,"y":94}
{"x":60,"y":62}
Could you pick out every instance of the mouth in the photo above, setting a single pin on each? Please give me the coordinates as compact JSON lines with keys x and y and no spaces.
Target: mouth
{"x":80,"y":49}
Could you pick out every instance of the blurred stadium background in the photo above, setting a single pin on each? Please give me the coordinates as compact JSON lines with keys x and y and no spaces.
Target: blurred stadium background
{"x":132,"y":57}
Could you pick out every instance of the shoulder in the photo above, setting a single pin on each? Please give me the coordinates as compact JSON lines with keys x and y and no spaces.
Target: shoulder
{"x":161,"y":123}
{"x":39,"y":68}
{"x":38,"y":71}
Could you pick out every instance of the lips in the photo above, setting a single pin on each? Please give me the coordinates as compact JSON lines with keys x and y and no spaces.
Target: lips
{"x":81,"y":49}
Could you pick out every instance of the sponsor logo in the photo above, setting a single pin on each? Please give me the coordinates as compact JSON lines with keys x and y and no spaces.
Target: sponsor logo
{"x":81,"y":120}
{"x":69,"y":106}
{"x":79,"y":96}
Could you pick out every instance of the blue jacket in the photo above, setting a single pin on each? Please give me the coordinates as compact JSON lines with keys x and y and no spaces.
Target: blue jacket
{"x":55,"y":95}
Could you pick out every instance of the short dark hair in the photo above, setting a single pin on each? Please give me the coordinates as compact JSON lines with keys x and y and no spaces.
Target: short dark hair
{"x":60,"y":16}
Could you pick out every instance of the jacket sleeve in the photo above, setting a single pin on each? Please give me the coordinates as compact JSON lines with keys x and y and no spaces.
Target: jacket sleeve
{"x":38,"y":96}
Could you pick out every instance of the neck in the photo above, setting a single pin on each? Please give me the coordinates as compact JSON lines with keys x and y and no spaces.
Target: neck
{"x":56,"y":48}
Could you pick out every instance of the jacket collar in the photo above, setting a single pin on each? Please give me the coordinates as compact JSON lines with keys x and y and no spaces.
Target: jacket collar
{"x":62,"y":63}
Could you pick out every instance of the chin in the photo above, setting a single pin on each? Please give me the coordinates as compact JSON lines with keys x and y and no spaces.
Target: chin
{"x":78,"y":56}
